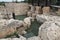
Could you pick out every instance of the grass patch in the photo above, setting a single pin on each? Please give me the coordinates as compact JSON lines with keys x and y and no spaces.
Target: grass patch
{"x":20,"y":17}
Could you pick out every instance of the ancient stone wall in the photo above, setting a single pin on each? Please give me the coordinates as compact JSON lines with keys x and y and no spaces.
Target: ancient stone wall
{"x":17,"y":8}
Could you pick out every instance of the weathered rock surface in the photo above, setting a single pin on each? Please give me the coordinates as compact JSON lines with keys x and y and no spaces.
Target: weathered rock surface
{"x":50,"y":30}
{"x":43,"y":18}
{"x":27,"y":22}
{"x":17,"y":8}
{"x":34,"y":38}
{"x":8,"y":27}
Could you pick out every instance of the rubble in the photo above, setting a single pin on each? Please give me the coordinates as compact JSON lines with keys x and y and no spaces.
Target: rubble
{"x":50,"y":30}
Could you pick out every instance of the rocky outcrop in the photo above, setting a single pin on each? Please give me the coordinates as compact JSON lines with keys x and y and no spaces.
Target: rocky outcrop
{"x":50,"y":30}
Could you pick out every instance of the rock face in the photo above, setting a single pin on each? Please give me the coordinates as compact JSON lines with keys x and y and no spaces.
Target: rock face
{"x":34,"y":38}
{"x":43,"y":18}
{"x":8,"y":27}
{"x":50,"y":30}
{"x":17,"y":8}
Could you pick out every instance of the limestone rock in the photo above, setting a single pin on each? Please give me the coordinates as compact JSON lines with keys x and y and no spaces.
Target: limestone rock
{"x":32,"y":9}
{"x":29,"y":14}
{"x":18,"y":24}
{"x":40,"y":18}
{"x":34,"y":16}
{"x":6,"y":15}
{"x":46,"y":10}
{"x":17,"y":8}
{"x":27,"y":22}
{"x":8,"y":27}
{"x":50,"y":30}
{"x":34,"y":38}
{"x":43,"y":18}
{"x":38,"y":10}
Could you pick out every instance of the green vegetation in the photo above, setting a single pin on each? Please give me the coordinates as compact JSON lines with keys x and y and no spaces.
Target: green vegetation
{"x":2,"y":3}
{"x":20,"y":17}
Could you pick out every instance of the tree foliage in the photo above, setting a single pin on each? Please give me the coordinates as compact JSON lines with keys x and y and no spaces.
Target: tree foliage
{"x":2,"y":3}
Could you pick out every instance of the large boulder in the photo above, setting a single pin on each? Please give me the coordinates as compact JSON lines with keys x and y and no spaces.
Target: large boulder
{"x":27,"y":22}
{"x":8,"y":27}
{"x":50,"y":30}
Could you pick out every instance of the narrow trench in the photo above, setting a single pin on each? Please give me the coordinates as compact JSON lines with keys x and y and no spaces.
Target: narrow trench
{"x":32,"y":31}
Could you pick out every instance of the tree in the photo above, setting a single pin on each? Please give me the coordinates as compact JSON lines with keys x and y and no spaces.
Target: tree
{"x":2,"y":3}
{"x":30,"y":1}
{"x":16,"y":1}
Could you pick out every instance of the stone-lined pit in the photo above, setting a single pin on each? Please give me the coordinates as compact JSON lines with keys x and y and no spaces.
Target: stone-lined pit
{"x":33,"y":30}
